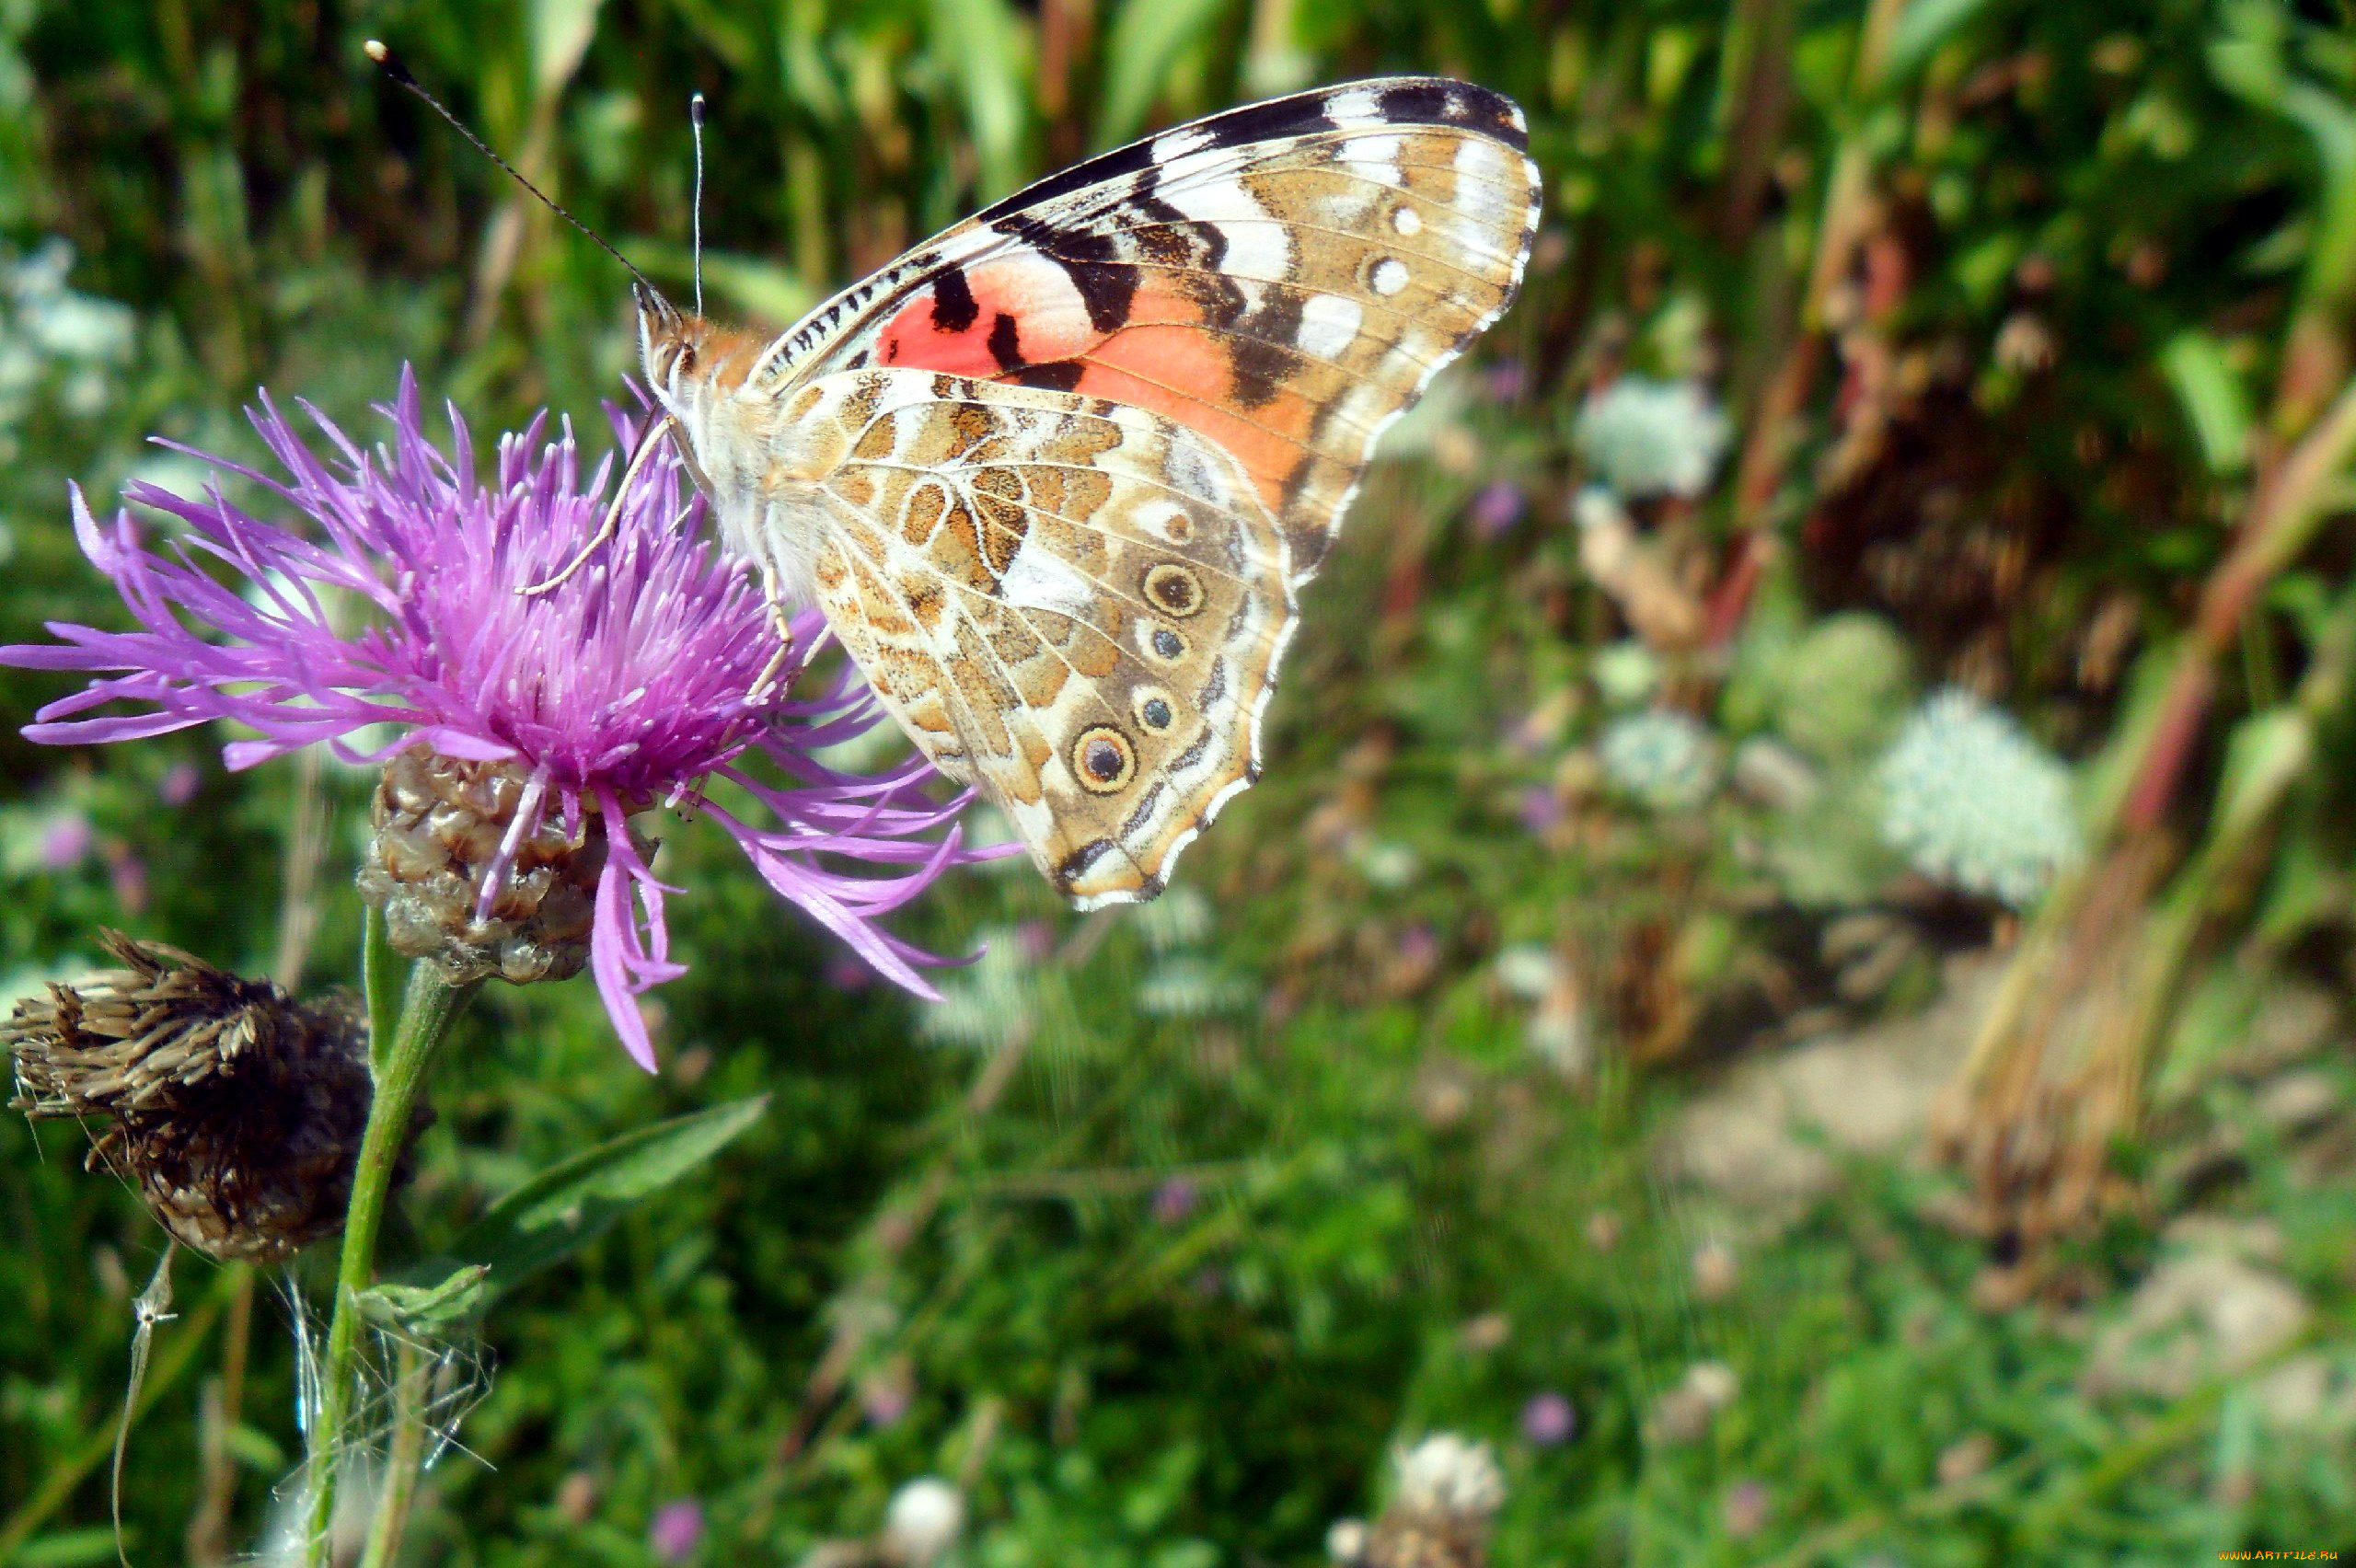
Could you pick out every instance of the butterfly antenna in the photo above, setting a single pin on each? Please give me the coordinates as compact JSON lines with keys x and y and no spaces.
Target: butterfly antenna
{"x":401,"y":74}
{"x":695,"y":118}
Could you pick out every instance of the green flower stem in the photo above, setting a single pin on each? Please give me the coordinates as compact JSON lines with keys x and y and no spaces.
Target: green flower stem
{"x":404,"y":1458}
{"x":427,"y":1008}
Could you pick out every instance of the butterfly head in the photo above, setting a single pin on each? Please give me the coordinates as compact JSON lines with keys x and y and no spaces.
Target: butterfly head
{"x":690,"y":361}
{"x":670,"y":345}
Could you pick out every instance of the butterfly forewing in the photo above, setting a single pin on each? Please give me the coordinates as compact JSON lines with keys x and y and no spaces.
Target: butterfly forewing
{"x":1284,"y":279}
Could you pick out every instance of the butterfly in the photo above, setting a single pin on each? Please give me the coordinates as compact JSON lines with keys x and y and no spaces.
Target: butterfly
{"x":1057,"y":476}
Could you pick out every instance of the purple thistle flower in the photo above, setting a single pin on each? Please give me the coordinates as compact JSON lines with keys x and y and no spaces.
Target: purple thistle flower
{"x":677,"y":1529}
{"x":65,"y":841}
{"x":1175,"y":1199}
{"x":626,"y":687}
{"x":1548,"y":1419}
{"x":179,"y":784}
{"x":1496,"y":508}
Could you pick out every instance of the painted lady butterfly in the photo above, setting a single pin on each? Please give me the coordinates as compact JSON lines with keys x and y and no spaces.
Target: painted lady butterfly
{"x":1056,"y":476}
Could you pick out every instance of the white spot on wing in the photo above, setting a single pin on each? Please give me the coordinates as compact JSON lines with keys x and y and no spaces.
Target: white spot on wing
{"x":1192,"y":473}
{"x":1329,"y":325}
{"x":1407,"y":221}
{"x":1178,"y":144}
{"x":1390,"y":276}
{"x":1373,"y":157}
{"x":1036,"y":580}
{"x":1255,"y":247}
{"x":1353,"y":104}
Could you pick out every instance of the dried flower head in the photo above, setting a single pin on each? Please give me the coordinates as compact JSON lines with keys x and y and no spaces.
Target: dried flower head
{"x":1973,"y":802}
{"x":238,"y":1111}
{"x":542,"y":721}
{"x":1644,"y":437}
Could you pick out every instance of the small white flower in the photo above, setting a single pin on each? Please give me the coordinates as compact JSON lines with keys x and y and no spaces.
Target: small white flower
{"x":83,"y":326}
{"x":1446,"y":1474}
{"x":1529,"y":970}
{"x":1666,"y":759}
{"x":1644,"y":437}
{"x":1626,"y":672}
{"x":1387,"y":865}
{"x":1187,"y":986}
{"x":1973,"y":802}
{"x":61,"y":322}
{"x":1713,"y":1383}
{"x":921,"y":1520}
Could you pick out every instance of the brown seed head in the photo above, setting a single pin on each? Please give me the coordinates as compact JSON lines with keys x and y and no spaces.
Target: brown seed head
{"x":238,"y":1111}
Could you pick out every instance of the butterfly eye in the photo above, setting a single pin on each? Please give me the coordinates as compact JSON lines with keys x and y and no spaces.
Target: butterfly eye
{"x":1154,"y":710}
{"x":1103,"y":760}
{"x":1174,"y":588}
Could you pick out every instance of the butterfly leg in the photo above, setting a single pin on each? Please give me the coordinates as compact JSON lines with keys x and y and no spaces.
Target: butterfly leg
{"x":782,"y":619}
{"x":638,"y":460}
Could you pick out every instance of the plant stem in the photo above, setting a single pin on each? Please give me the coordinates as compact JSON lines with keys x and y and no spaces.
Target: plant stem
{"x":411,"y":1373}
{"x":427,"y":1010}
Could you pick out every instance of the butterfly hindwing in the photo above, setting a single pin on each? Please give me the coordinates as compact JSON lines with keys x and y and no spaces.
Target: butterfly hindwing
{"x":1282,"y":279}
{"x":1078,"y":604}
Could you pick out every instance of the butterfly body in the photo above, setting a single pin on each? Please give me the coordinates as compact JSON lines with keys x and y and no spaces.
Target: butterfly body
{"x":1056,"y":477}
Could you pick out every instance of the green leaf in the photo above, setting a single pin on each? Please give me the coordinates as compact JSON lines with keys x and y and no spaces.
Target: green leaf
{"x":70,"y":1548}
{"x":568,"y":1205}
{"x":1921,"y":28}
{"x":429,"y":1310}
{"x":984,"y":50}
{"x":2267,"y":754}
{"x":2213,"y":399}
{"x":1148,"y":37}
{"x":560,"y":33}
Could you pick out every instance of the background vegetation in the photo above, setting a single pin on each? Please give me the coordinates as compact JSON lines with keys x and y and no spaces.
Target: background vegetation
{"x":1454,"y":1080}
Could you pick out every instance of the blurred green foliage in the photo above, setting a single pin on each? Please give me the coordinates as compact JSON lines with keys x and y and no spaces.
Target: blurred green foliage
{"x":1358,"y":1134}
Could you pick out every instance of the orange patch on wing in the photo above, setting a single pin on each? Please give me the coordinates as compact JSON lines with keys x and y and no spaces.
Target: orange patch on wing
{"x":1015,"y":306}
{"x":1158,"y":360}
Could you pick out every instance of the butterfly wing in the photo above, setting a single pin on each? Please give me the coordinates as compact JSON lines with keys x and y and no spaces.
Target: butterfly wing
{"x":1076,"y":603}
{"x":1282,"y":279}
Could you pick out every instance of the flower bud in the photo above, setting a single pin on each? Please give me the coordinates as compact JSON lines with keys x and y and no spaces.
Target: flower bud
{"x":238,"y":1112}
{"x":447,"y":829}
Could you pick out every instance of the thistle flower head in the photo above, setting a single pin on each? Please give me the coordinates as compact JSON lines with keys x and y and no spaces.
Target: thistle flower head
{"x":1973,"y":802}
{"x":629,"y":684}
{"x":1644,"y":437}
